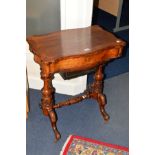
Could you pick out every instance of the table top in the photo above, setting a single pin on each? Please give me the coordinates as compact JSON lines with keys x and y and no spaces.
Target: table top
{"x":73,"y":42}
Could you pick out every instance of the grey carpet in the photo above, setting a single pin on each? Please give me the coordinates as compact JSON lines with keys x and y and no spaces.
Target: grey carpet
{"x":81,"y":119}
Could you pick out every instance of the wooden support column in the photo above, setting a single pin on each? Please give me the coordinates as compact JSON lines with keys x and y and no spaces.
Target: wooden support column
{"x":97,"y":92}
{"x":48,"y":99}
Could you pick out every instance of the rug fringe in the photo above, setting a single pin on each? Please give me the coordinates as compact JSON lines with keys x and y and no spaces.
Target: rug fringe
{"x":64,"y":146}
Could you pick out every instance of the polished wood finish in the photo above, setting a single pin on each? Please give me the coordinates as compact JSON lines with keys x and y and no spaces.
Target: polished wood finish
{"x":97,"y":92}
{"x":82,"y":42}
{"x":72,"y":51}
{"x":47,"y":98}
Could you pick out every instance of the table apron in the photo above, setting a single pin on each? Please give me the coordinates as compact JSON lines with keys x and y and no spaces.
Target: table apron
{"x":81,"y":63}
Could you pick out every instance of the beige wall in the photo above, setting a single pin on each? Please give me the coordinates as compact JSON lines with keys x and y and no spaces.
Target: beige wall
{"x":110,"y":6}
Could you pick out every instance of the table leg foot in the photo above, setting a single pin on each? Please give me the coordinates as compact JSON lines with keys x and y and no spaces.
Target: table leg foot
{"x":53,"y":119}
{"x":101,"y":101}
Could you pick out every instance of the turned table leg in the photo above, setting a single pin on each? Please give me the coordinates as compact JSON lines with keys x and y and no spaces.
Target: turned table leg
{"x":97,"y":92}
{"x":48,"y":98}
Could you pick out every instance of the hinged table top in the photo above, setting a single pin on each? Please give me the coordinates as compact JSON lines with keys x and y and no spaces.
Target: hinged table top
{"x":73,"y":42}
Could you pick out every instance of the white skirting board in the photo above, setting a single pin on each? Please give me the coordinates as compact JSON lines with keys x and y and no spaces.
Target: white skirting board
{"x":61,"y":86}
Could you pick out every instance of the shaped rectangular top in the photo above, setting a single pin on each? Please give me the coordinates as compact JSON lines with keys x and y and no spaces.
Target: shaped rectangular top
{"x":72,"y":42}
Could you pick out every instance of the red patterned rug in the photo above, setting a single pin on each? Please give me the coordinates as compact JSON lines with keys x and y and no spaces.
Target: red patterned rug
{"x":76,"y":145}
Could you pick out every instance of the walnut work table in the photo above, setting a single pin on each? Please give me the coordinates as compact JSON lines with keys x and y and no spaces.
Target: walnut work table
{"x":72,"y":51}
